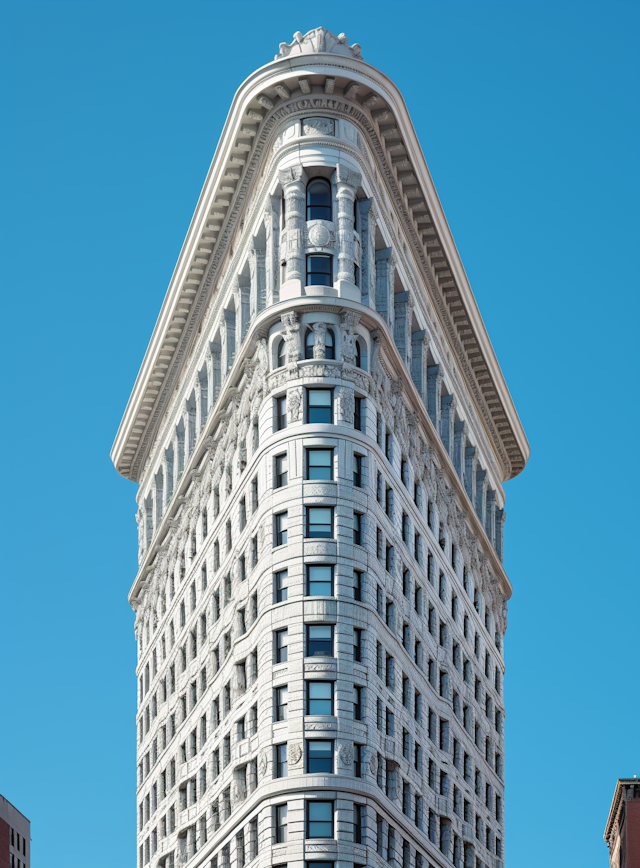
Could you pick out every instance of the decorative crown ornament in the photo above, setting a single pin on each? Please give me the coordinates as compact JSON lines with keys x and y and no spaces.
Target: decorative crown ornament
{"x":319,"y":41}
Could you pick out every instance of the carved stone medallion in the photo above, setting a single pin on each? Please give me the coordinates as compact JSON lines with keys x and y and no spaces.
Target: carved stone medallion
{"x":346,"y":756}
{"x":295,"y":753}
{"x":319,"y":235}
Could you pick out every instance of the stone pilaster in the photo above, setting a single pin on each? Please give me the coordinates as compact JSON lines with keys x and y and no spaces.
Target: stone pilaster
{"x":347,"y":183}
{"x":367,"y":251}
{"x":470,"y":469}
{"x":272,"y":245}
{"x":242,"y":299}
{"x":481,"y":494}
{"x":402,"y":313}
{"x":459,"y":444}
{"x":419,"y":350}
{"x":490,"y":516}
{"x":447,"y":421}
{"x":228,"y":340}
{"x":294,"y":184}
{"x":434,"y":388}
{"x":499,"y":544}
{"x":385,"y":269}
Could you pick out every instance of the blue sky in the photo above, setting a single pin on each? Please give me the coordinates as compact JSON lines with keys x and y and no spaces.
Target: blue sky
{"x":528,"y":116}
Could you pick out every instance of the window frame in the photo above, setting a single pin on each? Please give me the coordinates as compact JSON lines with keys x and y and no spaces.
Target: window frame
{"x":278,"y":589}
{"x":309,"y":407}
{"x":307,"y":640}
{"x":329,"y":741}
{"x":308,"y":193}
{"x":309,"y":450}
{"x":311,"y":275}
{"x":308,"y":523}
{"x":280,"y":534}
{"x":308,"y":580}
{"x":309,"y":684}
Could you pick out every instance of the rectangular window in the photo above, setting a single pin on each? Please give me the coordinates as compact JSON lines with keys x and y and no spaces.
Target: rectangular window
{"x":357,"y":823}
{"x":357,"y":528}
{"x":282,"y":470}
{"x":320,"y":464}
{"x":320,"y":697}
{"x":319,"y":580}
{"x":280,"y":703}
{"x":357,"y":760}
{"x":319,"y":406}
{"x":357,"y":702}
{"x":280,"y":812}
{"x":319,"y":821}
{"x":319,"y":640}
{"x":281,"y":413}
{"x":319,"y":522}
{"x":280,"y":529}
{"x":280,"y":586}
{"x":280,"y":761}
{"x":319,"y":270}
{"x":357,"y":644}
{"x":358,"y":414}
{"x":357,"y":470}
{"x":280,"y":646}
{"x":357,"y":585}
{"x":319,"y":756}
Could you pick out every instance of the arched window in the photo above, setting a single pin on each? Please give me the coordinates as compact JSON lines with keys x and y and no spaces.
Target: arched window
{"x":330,"y":345}
{"x":309,"y":342}
{"x":361,"y":354}
{"x":282,"y":355}
{"x":319,"y":199}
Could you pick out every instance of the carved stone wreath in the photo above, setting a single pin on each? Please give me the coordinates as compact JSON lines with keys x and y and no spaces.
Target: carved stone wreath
{"x":346,"y":755}
{"x":295,"y":753}
{"x":263,"y":763}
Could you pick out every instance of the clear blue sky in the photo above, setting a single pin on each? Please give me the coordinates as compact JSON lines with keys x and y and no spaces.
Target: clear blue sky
{"x":528,"y":117}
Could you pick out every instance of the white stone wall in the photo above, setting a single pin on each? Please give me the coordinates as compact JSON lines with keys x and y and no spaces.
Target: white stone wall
{"x":205,"y":604}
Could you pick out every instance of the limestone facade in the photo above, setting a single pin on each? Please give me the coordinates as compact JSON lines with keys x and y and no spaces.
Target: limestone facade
{"x":320,"y":433}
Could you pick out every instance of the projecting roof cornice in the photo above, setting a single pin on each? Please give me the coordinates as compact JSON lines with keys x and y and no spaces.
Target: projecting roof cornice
{"x":319,"y":72}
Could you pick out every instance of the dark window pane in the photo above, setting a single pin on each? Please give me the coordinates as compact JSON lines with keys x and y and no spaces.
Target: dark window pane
{"x":319,"y":199}
{"x":320,"y":758}
{"x":319,"y":270}
{"x":319,"y":640}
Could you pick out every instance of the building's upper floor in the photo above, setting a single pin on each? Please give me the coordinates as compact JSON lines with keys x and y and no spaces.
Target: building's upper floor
{"x":369,"y":228}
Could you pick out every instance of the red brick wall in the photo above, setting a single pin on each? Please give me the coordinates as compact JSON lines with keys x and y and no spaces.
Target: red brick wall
{"x":633,"y":833}
{"x":4,"y":844}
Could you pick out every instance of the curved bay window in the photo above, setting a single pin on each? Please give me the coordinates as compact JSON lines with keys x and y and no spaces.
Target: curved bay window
{"x":319,"y":199}
{"x":282,"y":354}
{"x":319,"y":270}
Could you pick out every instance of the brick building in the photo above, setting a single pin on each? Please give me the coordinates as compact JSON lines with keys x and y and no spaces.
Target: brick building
{"x":622,"y":832}
{"x":15,"y":837}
